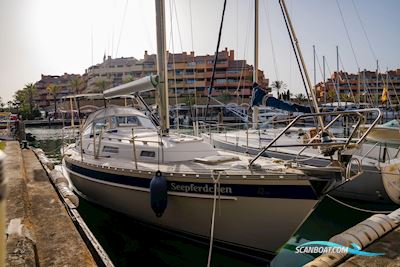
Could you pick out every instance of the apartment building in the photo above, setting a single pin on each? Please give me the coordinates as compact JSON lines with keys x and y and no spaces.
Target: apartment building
{"x":187,"y":74}
{"x":43,"y":99}
{"x":365,"y":86}
{"x":112,"y":72}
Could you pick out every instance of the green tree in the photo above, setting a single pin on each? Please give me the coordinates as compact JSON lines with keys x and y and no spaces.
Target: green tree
{"x":345,"y":97}
{"x":76,"y":83}
{"x":277,"y":86}
{"x":357,"y":97}
{"x":20,"y":103}
{"x":20,"y":96}
{"x":30,"y":90}
{"x":224,"y":97}
{"x":300,"y":97}
{"x":53,"y":89}
{"x":101,"y":85}
{"x":331,"y":95}
{"x":127,"y":79}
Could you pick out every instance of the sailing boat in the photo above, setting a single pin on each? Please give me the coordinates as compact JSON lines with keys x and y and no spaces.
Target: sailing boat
{"x":127,"y":161}
{"x":367,"y":187}
{"x":387,"y":133}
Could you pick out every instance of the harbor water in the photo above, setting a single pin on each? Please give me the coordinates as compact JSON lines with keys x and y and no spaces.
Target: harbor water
{"x":128,"y":242}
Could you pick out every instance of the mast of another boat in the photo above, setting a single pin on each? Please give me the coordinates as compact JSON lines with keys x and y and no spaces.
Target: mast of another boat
{"x":162,"y":71}
{"x":256,"y":110}
{"x":305,"y":72}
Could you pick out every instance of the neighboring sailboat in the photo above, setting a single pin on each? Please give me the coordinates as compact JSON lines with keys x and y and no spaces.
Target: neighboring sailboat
{"x":368,"y":187}
{"x":391,"y":178}
{"x":125,"y":161}
{"x":387,"y":133}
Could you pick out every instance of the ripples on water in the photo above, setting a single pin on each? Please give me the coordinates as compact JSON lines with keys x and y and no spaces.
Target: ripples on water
{"x":128,"y":242}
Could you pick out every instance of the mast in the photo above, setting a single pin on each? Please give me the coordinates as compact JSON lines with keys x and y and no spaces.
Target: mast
{"x":337,"y":73}
{"x":303,"y":69}
{"x":337,"y":76}
{"x":358,"y":87}
{"x":376,"y":95}
{"x":255,"y":70}
{"x":162,"y":71}
{"x":315,"y":71}
{"x":323,"y":66}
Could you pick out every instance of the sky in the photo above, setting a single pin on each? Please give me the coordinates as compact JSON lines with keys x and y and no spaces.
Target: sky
{"x":53,"y":37}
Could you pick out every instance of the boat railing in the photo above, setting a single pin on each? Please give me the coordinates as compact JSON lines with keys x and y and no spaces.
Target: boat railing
{"x":207,"y":127}
{"x":144,"y":141}
{"x":321,"y":139}
{"x":222,"y":127}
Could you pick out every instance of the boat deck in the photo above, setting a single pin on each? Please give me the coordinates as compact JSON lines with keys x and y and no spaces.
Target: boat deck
{"x":230,"y":164}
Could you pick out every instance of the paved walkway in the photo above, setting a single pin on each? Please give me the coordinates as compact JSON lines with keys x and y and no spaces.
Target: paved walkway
{"x":40,"y":231}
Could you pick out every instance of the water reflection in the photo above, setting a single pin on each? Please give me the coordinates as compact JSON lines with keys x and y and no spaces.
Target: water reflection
{"x":128,"y":242}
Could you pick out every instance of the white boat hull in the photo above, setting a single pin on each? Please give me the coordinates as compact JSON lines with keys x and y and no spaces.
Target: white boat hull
{"x":384,"y":134}
{"x":259,"y":224}
{"x":391,"y":179}
{"x":367,"y":187}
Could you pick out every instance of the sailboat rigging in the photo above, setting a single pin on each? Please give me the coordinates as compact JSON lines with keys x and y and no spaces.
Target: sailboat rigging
{"x":251,"y":141}
{"x":125,"y":162}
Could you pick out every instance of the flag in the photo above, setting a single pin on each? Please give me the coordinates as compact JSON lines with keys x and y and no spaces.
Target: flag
{"x":385,"y":95}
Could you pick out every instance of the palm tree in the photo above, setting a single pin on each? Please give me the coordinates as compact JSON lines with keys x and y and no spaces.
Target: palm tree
{"x":278,"y":85}
{"x":76,"y":83}
{"x":101,"y":85}
{"x":127,"y":79}
{"x":30,"y":90}
{"x":331,"y":94}
{"x":53,"y":89}
{"x":300,"y":97}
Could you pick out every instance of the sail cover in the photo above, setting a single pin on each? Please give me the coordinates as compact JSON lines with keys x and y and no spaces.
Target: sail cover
{"x":141,"y":85}
{"x":260,"y":97}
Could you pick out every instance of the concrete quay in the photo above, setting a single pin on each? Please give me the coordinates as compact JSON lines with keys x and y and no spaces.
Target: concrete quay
{"x":378,"y":234}
{"x":39,"y":230}
{"x":388,"y":244}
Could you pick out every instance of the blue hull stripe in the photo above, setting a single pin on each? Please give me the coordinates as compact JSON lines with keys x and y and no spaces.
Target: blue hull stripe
{"x":266,"y":191}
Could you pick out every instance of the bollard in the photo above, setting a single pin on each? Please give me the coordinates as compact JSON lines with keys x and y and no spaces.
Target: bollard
{"x":24,"y":144}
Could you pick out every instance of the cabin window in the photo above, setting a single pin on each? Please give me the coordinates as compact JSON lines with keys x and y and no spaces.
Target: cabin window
{"x":101,"y":123}
{"x":128,"y":121}
{"x":121,"y":121}
{"x":97,"y":125}
{"x":110,"y":149}
{"x":146,"y":123}
{"x":131,"y":121}
{"x":145,"y":153}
